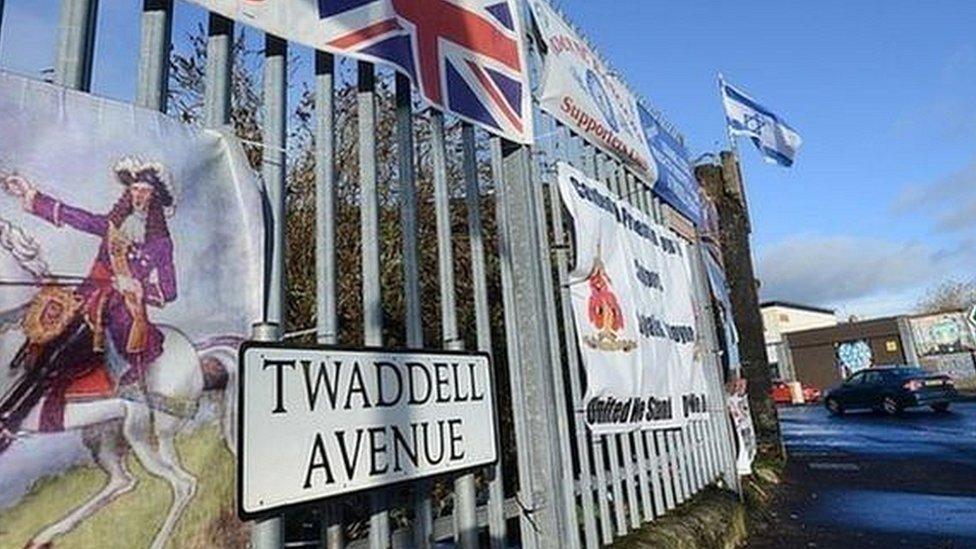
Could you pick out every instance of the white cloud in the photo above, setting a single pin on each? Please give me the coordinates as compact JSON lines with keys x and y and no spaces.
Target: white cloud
{"x":871,"y":277}
{"x":950,"y":202}
{"x":856,"y":275}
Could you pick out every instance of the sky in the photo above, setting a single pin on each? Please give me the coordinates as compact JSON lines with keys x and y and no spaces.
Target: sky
{"x":881,"y":203}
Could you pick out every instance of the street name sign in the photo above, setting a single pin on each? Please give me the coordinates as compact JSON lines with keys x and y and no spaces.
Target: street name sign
{"x":319,"y":422}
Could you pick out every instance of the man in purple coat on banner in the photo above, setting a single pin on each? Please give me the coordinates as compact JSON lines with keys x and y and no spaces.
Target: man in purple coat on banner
{"x":68,"y":331}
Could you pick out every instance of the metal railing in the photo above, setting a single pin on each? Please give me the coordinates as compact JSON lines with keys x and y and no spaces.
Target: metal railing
{"x":574,"y":488}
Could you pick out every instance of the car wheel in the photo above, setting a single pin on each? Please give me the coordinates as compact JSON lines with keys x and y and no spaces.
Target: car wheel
{"x":835,"y":407}
{"x":941,"y":407}
{"x":890,"y":406}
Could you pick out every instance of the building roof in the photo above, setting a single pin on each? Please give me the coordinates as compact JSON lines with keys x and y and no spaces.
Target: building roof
{"x":845,"y":331}
{"x":800,"y":306}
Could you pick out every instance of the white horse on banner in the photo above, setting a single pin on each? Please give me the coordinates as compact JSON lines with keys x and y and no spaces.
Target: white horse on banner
{"x":182,"y":374}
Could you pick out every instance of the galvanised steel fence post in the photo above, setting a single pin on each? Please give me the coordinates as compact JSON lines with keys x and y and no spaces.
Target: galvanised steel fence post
{"x":541,"y":477}
{"x":479,"y":277}
{"x":76,"y":44}
{"x":379,"y":521}
{"x":269,"y":533}
{"x":423,"y":515}
{"x":325,"y":266}
{"x":216,"y":99}
{"x":157,"y":24}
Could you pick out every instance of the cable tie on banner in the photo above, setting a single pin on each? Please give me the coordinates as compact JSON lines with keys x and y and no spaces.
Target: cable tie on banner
{"x":262,"y":145}
{"x":299,"y":333}
{"x":571,"y":284}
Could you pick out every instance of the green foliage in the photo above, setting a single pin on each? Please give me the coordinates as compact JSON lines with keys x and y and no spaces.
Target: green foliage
{"x":948,"y":296}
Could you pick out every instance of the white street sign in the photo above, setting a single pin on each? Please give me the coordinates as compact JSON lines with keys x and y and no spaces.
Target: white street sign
{"x":320,"y":422}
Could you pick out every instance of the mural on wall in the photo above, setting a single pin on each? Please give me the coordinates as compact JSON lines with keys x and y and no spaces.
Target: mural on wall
{"x":131,"y":258}
{"x":853,"y":356}
{"x":945,"y":343}
{"x":941,"y":334}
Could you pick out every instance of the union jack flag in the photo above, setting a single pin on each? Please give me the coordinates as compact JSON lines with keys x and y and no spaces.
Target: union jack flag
{"x":465,"y":56}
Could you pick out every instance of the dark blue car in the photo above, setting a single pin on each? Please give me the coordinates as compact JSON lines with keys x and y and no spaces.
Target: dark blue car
{"x":891,"y":389}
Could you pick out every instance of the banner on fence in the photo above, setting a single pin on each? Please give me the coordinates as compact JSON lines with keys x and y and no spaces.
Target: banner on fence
{"x":676,"y":183}
{"x":131,"y":260}
{"x":579,"y":90}
{"x":322,"y":422}
{"x":635,"y":318}
{"x":745,"y":433}
{"x":466,"y":57}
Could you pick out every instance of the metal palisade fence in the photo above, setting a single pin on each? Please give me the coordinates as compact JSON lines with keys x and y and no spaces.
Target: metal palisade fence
{"x":562,"y":485}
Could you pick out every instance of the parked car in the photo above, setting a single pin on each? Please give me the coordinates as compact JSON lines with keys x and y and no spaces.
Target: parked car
{"x":891,"y":389}
{"x":811,"y":394}
{"x":782,"y":394}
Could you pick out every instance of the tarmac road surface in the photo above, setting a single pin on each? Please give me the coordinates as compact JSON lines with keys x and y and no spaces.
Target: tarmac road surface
{"x":869,"y":480}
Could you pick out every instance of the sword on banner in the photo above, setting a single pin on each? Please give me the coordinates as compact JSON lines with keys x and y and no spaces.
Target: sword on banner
{"x":47,"y":280}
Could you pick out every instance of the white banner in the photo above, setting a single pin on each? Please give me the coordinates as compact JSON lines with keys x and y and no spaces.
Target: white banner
{"x":582,"y":92}
{"x":634,"y":309}
{"x":745,"y":434}
{"x":131,"y":268}
{"x":321,"y":422}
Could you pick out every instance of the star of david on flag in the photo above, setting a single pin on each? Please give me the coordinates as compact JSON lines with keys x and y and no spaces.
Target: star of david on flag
{"x":774,"y":138}
{"x":465,"y":56}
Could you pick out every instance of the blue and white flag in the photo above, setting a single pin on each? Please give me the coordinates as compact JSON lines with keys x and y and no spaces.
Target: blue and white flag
{"x":774,"y":138}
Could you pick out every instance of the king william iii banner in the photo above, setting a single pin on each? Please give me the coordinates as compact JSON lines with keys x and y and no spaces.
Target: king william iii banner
{"x":635,"y":318}
{"x":465,"y":56}
{"x":131,"y":253}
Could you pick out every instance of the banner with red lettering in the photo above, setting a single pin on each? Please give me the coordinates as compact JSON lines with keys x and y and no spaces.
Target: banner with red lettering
{"x":583,"y":93}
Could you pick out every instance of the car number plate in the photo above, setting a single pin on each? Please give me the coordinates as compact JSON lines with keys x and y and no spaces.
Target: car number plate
{"x":933,"y":382}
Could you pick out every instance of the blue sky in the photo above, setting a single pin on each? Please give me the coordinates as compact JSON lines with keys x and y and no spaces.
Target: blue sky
{"x":879,"y":204}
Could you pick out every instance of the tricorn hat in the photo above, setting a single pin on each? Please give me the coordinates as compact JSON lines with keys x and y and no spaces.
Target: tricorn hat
{"x":131,"y":170}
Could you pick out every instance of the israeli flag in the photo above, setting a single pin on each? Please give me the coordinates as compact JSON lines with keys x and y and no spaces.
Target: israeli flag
{"x":774,"y":138}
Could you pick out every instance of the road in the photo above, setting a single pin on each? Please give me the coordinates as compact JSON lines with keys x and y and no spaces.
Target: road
{"x":868,"y":480}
